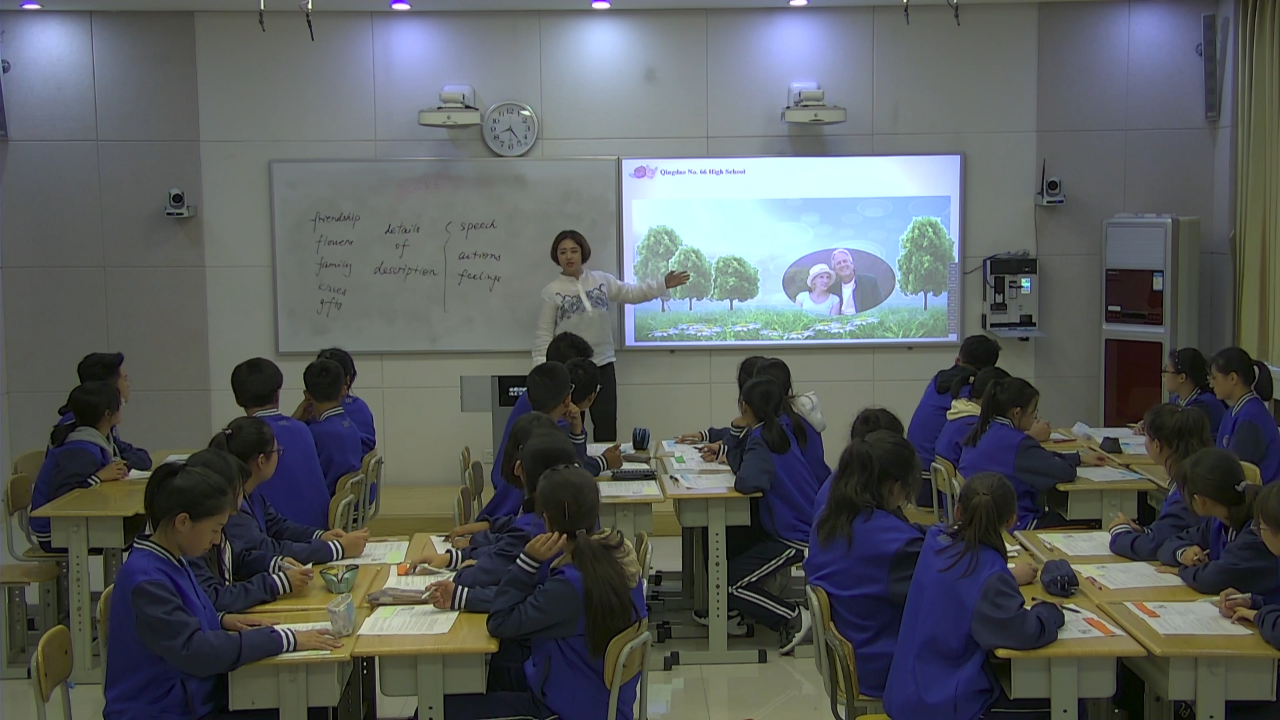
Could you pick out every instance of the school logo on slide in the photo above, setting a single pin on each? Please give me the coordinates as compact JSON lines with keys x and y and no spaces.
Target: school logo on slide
{"x":644,"y":172}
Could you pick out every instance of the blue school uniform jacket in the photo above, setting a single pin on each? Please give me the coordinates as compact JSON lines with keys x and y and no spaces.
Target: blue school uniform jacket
{"x":785,"y":510}
{"x":135,"y":457}
{"x":561,"y":672}
{"x":950,"y":445}
{"x":360,"y":414}
{"x":867,"y":581}
{"x":1250,"y":432}
{"x":1031,"y":469}
{"x":1267,"y":621}
{"x":70,"y":466}
{"x":1175,"y":517}
{"x":169,"y":656}
{"x":259,"y":527}
{"x":1237,"y":560}
{"x":955,"y":615}
{"x":475,"y":587}
{"x":236,"y":580}
{"x":931,"y":413}
{"x":507,"y":498}
{"x":813,"y":452}
{"x":1206,"y":402}
{"x":297,"y":490}
{"x":337,"y":446}
{"x":594,"y":464}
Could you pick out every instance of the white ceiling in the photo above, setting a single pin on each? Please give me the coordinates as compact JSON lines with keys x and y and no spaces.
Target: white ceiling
{"x":464,"y":5}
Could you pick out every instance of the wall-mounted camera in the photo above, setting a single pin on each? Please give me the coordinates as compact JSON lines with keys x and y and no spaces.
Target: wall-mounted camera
{"x":1050,"y":189}
{"x":177,"y":206}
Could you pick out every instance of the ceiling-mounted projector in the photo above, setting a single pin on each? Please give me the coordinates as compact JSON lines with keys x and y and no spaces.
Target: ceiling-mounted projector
{"x":457,"y":108}
{"x":806,"y":103}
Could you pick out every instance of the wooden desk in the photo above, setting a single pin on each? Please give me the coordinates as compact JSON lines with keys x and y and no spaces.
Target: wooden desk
{"x":316,"y":595}
{"x":1208,"y":669}
{"x":1155,"y":473}
{"x":1101,"y":595}
{"x":425,"y":665}
{"x":1031,"y":540}
{"x":291,"y":685}
{"x":1066,"y":670}
{"x":714,"y":511}
{"x":1091,"y":500}
{"x":628,"y":515}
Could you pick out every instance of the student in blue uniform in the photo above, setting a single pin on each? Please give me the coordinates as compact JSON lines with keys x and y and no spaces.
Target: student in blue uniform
{"x":964,"y":412}
{"x":592,"y":593}
{"x":976,"y":353}
{"x":1224,"y":549}
{"x":713,"y":438}
{"x":357,"y":409}
{"x":802,"y":416}
{"x":236,"y":578}
{"x":336,"y":437}
{"x":170,"y":650}
{"x":257,"y":525}
{"x":81,"y":454}
{"x":863,"y":551}
{"x":109,"y":367}
{"x":1173,"y":434}
{"x":298,"y":492}
{"x":963,"y":603}
{"x":584,"y":380}
{"x":1007,"y":440}
{"x":1248,"y":429}
{"x":868,"y":420}
{"x":563,"y":348}
{"x":767,"y":460}
{"x":1186,"y":379}
{"x":1262,"y":611}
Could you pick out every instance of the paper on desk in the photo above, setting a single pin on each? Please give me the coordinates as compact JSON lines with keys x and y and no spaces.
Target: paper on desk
{"x":1128,"y":575}
{"x":1078,"y":544}
{"x":1084,"y":624}
{"x":1099,"y":433}
{"x":634,"y":466}
{"x":599,"y":448}
{"x":299,"y":627}
{"x":415,"y":582}
{"x":176,"y":459}
{"x":694,"y":481}
{"x":691,"y":461}
{"x":381,"y":553}
{"x":1059,"y":437}
{"x":1107,"y":474}
{"x":1133,"y":446}
{"x":440,"y":544}
{"x":630,"y":488}
{"x":1186,"y":618}
{"x":1012,"y":549}
{"x":139,"y":474}
{"x":409,"y":620}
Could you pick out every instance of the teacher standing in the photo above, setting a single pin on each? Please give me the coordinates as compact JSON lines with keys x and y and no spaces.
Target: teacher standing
{"x":578,"y":302}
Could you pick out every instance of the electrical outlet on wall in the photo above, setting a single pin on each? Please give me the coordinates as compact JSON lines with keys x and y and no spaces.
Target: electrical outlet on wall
{"x":488,"y":456}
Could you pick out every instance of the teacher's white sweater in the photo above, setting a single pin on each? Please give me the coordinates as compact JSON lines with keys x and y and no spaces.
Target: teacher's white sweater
{"x":581,"y":306}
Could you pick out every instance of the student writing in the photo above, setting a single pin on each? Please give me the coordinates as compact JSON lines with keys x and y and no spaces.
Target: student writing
{"x":298,"y":492}
{"x":1223,"y":550}
{"x":336,"y":437}
{"x":357,"y":409}
{"x":1007,"y":440}
{"x":863,"y":551}
{"x":1248,"y":430}
{"x":964,"y":412}
{"x":592,"y":593}
{"x":257,"y":526}
{"x":109,"y":367}
{"x":1186,"y":378}
{"x":1173,"y":434}
{"x":170,"y":650}
{"x":237,"y":578}
{"x":964,"y":603}
{"x":1261,"y":610}
{"x":976,"y":353}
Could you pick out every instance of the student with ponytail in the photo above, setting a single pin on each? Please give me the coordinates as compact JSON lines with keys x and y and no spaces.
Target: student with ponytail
{"x":767,"y":460}
{"x":1224,"y":550}
{"x":802,"y":415}
{"x":1006,"y":440}
{"x":591,"y":594}
{"x":715,"y":437}
{"x":964,"y":412}
{"x":170,"y":650}
{"x":109,"y":367}
{"x":237,"y":578}
{"x":258,"y":526}
{"x":863,"y":551}
{"x":1248,"y":430}
{"x":869,"y":420}
{"x":81,"y":454}
{"x":1186,"y":379}
{"x":1173,"y":433}
{"x":964,"y":603}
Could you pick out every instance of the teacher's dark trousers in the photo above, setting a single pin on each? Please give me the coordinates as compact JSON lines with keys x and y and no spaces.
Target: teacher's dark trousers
{"x":604,"y":411}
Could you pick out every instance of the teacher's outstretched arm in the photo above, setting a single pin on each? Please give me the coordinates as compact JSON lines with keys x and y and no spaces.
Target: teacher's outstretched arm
{"x":634,"y":293}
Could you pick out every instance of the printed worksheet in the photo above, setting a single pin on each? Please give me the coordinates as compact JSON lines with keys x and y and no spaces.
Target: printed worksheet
{"x":139,"y":474}
{"x":440,"y":544}
{"x":176,"y":459}
{"x":1059,"y":437}
{"x":381,"y":553}
{"x":1128,"y":575}
{"x":1186,"y":618}
{"x":1133,"y":446}
{"x":696,"y":481}
{"x":1084,"y":624}
{"x":1107,"y":474}
{"x":416,"y":582}
{"x":599,"y":448}
{"x":1078,"y":544}
{"x":299,"y":627}
{"x":409,"y":620}
{"x":691,"y":461}
{"x":630,"y":489}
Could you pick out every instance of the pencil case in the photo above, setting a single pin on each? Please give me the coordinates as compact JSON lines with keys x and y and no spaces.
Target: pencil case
{"x":342,"y":615}
{"x":397,"y":596}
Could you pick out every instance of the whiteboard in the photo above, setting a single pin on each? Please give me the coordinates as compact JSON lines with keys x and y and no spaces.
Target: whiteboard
{"x":428,"y":255}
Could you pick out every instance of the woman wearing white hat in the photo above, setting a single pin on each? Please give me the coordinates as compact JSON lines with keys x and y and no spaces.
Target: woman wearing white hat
{"x":818,"y":300}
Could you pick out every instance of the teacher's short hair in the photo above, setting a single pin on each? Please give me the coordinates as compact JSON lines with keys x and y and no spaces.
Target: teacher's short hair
{"x":575,"y":236}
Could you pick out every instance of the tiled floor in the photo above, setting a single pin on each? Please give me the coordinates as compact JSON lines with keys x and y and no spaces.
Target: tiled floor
{"x":782,"y":689}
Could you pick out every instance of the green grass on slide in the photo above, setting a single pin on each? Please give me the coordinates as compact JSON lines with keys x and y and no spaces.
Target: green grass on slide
{"x":770,"y":324}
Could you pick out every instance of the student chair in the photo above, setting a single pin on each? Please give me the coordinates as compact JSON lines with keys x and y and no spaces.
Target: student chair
{"x":1252,"y":474}
{"x":14,"y":578}
{"x":837,"y":666}
{"x":946,"y":484}
{"x":476,"y":483}
{"x":626,"y":657}
{"x":462,"y":507}
{"x":343,"y":506}
{"x":371,"y":468}
{"x":644,"y":553}
{"x":464,"y":462}
{"x":29,"y":463}
{"x":50,"y":670}
{"x":104,"y":614}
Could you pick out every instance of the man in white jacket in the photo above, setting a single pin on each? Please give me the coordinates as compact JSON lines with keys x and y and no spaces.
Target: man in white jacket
{"x":578,"y":302}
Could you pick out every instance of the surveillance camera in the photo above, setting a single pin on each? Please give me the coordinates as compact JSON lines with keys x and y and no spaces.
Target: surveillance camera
{"x":1052,"y":187}
{"x":177,"y":205}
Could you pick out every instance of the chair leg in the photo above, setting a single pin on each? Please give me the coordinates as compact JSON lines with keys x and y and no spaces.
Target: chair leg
{"x":14,"y":627}
{"x":644,"y":683}
{"x":48,"y":605}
